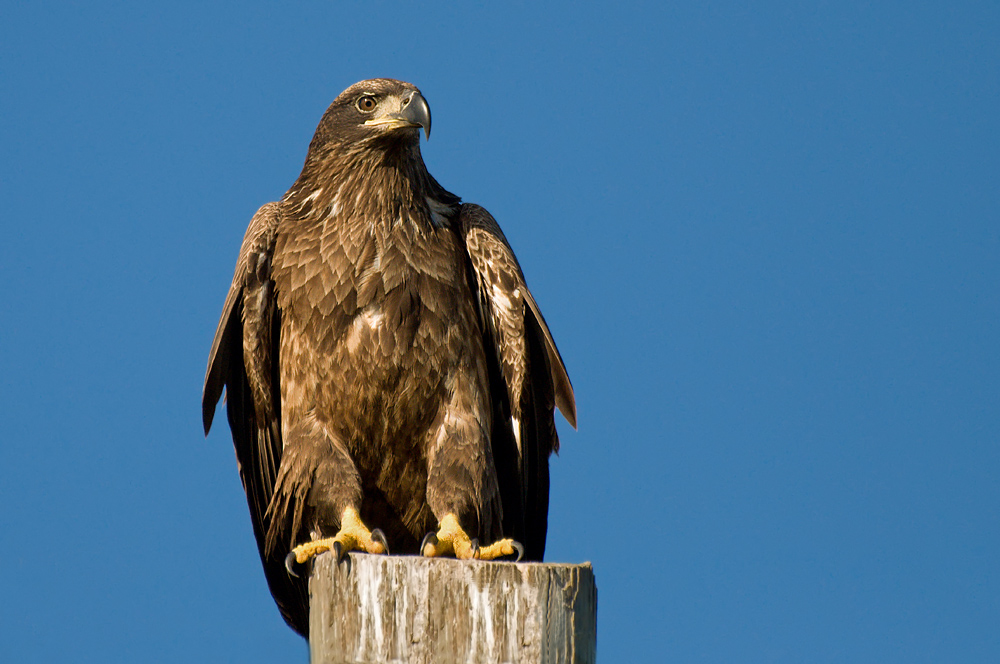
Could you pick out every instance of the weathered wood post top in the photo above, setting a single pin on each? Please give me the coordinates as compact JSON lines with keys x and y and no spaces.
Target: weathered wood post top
{"x":417,"y":610}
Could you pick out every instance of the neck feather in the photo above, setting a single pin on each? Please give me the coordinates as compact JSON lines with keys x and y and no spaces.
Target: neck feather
{"x":373,"y":182}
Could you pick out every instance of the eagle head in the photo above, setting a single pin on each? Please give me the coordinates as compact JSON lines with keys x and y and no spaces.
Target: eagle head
{"x":377,"y":110}
{"x":368,"y":143}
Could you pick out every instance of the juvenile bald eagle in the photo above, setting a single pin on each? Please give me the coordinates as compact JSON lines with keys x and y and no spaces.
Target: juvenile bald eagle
{"x":385,"y":365}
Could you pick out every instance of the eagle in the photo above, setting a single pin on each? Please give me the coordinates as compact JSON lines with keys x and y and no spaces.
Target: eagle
{"x":390,"y":380}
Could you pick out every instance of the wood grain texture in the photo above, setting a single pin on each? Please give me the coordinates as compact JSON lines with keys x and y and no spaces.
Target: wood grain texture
{"x":421,"y":610}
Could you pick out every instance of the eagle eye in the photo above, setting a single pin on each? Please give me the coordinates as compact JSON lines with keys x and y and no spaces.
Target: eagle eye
{"x":367,"y":104}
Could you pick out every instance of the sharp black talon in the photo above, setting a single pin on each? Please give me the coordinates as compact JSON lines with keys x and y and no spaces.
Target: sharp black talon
{"x":520,"y":550}
{"x":341,"y":556}
{"x":429,"y":538}
{"x":379,"y":536}
{"x":474,"y":545}
{"x":290,"y":562}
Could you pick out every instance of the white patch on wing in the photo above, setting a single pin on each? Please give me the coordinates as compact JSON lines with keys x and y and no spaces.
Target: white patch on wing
{"x":499,"y":297}
{"x":516,"y":423}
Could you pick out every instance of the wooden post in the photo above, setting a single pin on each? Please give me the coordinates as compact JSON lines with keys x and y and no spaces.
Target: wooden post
{"x":410,"y":609}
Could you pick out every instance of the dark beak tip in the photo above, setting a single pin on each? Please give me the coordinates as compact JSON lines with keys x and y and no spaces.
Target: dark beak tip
{"x":416,"y":112}
{"x":426,"y":117}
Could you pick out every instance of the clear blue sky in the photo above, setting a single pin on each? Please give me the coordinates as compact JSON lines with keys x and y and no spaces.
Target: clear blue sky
{"x":767,"y":240}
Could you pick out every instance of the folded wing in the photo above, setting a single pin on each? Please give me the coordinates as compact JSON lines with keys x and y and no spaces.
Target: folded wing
{"x":528,"y":380}
{"x":244,"y":361}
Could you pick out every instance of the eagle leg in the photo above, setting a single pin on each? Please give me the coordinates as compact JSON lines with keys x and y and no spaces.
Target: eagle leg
{"x":452,"y":539}
{"x":352,"y":536}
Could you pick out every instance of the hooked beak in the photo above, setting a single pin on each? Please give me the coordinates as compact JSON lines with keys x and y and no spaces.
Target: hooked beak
{"x":414,"y":112}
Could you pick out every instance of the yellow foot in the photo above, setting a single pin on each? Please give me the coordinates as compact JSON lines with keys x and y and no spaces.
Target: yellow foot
{"x":352,"y":536}
{"x":451,"y":539}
